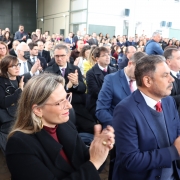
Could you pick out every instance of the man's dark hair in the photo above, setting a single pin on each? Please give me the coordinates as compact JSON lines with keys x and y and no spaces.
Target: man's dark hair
{"x":170,"y":47}
{"x":146,"y":66}
{"x":168,"y":53}
{"x":32,"y":45}
{"x":137,"y":56}
{"x":41,"y":40}
{"x":98,"y":50}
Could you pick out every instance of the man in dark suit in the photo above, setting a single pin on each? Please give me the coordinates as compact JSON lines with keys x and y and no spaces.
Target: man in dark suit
{"x":73,"y":83}
{"x":95,"y":77}
{"x":76,"y":38}
{"x":116,"y":87}
{"x":13,"y":50}
{"x":172,"y":56}
{"x":27,"y":69}
{"x":93,"y":40}
{"x":42,"y":52}
{"x":34,"y":56}
{"x":130,"y":50}
{"x":147,"y":126}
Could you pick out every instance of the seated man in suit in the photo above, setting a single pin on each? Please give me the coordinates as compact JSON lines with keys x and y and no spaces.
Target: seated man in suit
{"x":95,"y":77}
{"x":116,"y":87}
{"x":172,"y":56}
{"x":34,"y":56}
{"x":93,"y":40}
{"x":42,"y":52}
{"x":130,"y":50}
{"x":27,"y":68}
{"x":69,"y":40}
{"x":73,"y":83}
{"x":147,"y":126}
{"x":14,"y":46}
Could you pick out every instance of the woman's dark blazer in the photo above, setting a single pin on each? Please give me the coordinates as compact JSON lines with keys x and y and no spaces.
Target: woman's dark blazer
{"x":37,"y":156}
{"x":9,"y":95}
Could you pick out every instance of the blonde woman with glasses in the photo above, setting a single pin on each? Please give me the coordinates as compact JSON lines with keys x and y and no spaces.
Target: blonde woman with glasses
{"x":44,"y":145}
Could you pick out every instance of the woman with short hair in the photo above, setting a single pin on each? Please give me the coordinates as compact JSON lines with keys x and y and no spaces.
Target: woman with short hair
{"x":11,"y":86}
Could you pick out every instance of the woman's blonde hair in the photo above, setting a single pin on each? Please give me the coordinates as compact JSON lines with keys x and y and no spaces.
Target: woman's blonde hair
{"x":36,"y":91}
{"x":91,"y":58}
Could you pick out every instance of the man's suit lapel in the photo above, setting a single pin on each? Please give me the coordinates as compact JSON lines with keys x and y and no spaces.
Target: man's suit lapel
{"x":111,"y":70}
{"x":175,"y":87}
{"x":144,"y":109}
{"x":124,"y":83}
{"x":69,"y":69}
{"x":56,"y":69}
{"x":98,"y":73}
{"x":168,"y":119}
{"x":30,"y":64}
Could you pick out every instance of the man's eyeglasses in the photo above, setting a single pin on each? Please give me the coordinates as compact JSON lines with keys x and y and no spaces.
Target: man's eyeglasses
{"x":15,"y":66}
{"x":60,"y":56}
{"x":63,"y":103}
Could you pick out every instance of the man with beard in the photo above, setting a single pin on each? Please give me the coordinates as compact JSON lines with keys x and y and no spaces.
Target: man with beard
{"x":27,"y":69}
{"x":20,"y":35}
{"x":147,"y":126}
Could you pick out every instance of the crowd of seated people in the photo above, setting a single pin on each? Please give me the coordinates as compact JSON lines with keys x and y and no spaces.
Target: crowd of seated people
{"x":98,"y":71}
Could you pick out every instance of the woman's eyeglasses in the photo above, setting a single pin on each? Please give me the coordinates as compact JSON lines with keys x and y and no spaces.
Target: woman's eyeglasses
{"x":15,"y":66}
{"x":62,"y":104}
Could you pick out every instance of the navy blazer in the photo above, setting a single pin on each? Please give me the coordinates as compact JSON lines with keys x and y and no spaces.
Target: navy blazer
{"x":138,"y":154}
{"x":123,"y":63}
{"x":114,"y":89}
{"x":67,"y":40}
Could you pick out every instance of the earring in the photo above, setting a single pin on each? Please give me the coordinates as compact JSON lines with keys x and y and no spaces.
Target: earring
{"x":40,"y":122}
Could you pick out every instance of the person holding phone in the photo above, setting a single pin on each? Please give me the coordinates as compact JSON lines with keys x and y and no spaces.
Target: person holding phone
{"x":11,"y":86}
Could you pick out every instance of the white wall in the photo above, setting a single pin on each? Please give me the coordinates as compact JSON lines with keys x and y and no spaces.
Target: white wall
{"x":148,"y":12}
{"x":55,"y":15}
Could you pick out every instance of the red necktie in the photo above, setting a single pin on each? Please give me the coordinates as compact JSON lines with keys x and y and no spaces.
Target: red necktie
{"x":131,"y":85}
{"x":158,"y":107}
